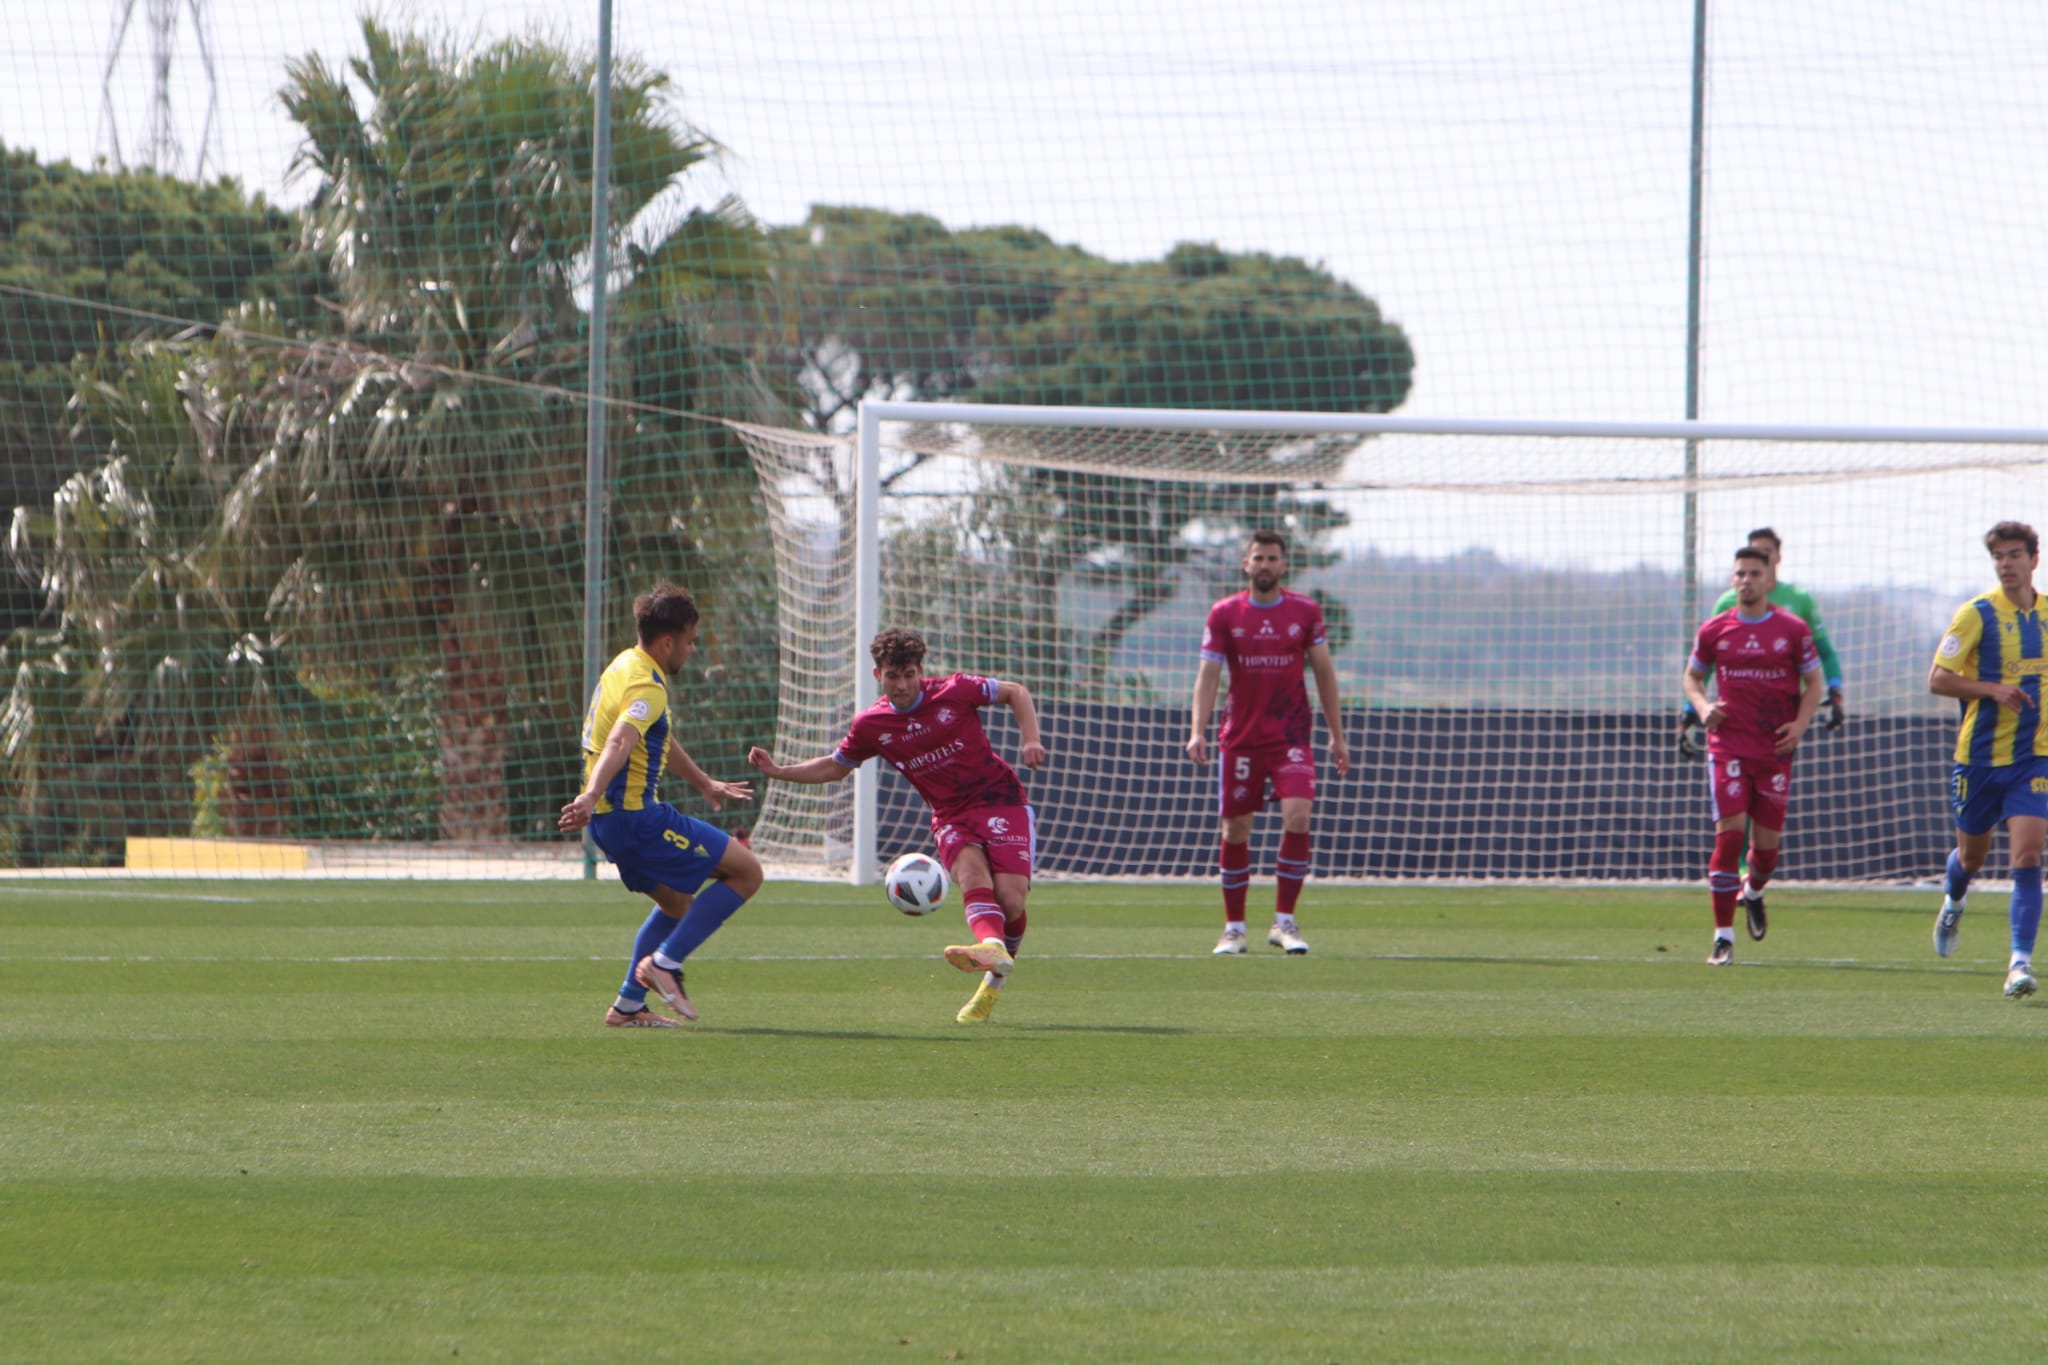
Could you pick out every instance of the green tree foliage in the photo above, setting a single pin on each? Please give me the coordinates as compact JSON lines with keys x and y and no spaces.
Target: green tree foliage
{"x":90,"y":260}
{"x":453,"y":205}
{"x":882,"y":305}
{"x":342,"y":572}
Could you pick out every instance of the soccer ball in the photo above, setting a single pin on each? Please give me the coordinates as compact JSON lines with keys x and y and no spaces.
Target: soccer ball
{"x":916,"y":884}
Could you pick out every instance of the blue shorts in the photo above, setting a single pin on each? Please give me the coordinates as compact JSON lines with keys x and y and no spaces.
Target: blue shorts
{"x":1983,"y":796}
{"x":658,"y":846}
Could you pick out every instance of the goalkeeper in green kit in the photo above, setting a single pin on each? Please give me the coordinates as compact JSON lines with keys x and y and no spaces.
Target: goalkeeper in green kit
{"x":1692,"y":735}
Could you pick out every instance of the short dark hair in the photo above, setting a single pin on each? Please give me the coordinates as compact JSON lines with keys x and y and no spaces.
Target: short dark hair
{"x":895,"y":648}
{"x":663,"y":610}
{"x":1266,"y":538}
{"x":1751,"y":552}
{"x":1766,"y":533}
{"x":2014,"y":530}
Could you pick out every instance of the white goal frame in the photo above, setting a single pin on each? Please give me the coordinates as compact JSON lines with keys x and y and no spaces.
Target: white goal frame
{"x":874,"y":413}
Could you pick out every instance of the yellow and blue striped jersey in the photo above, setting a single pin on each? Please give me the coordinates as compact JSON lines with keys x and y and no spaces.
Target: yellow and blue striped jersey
{"x":630,"y":689}
{"x":1991,"y":640}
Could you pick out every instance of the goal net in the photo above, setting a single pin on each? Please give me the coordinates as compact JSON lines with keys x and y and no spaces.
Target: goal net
{"x":1510,"y":607}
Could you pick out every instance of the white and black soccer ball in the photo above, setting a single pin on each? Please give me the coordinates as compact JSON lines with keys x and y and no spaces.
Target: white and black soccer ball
{"x":916,"y":883}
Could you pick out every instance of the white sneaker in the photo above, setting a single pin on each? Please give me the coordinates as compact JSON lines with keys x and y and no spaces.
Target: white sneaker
{"x":1287,"y":938}
{"x":1230,"y":945}
{"x":1947,"y":925}
{"x":2019,"y":982}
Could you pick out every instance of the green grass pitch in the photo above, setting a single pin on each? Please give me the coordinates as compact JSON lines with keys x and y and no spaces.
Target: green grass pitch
{"x":316,"y":1121}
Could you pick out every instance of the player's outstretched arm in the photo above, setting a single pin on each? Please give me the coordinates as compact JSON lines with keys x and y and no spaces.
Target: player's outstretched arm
{"x":1813,"y":686}
{"x":708,"y":787}
{"x":824,"y":768}
{"x":1030,"y":746}
{"x":618,"y":747}
{"x":1695,"y":683}
{"x":1831,"y":666}
{"x":1208,"y":682}
{"x":1943,"y":683}
{"x":1325,"y":669}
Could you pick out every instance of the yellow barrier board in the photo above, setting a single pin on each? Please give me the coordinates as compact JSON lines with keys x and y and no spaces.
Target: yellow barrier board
{"x":213,"y":855}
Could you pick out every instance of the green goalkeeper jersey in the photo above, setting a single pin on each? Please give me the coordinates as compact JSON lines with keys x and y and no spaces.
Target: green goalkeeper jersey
{"x":1801,"y":604}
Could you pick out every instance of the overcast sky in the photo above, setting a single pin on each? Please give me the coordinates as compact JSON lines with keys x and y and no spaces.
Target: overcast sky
{"x":1507,"y":178}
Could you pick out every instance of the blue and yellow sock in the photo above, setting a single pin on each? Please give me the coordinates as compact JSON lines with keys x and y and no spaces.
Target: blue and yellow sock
{"x":2026,"y":910}
{"x":660,"y":924}
{"x":713,"y":907}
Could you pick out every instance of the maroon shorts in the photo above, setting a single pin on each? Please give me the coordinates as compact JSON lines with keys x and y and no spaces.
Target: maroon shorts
{"x":1007,"y":834}
{"x":1755,"y":787}
{"x":1242,"y":775}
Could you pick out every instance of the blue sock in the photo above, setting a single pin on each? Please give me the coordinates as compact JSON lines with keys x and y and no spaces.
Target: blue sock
{"x":659,"y":926}
{"x":2026,"y":910}
{"x":1958,"y":876}
{"x":712,"y":908}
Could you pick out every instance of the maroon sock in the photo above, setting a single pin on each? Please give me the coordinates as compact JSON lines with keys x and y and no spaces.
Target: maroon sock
{"x":1289,"y":871}
{"x":984,"y":916}
{"x":1235,"y":865}
{"x":1762,"y":863}
{"x":1724,"y":876}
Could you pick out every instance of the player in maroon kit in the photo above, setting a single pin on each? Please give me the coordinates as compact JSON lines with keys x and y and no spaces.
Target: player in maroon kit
{"x":1771,"y":683}
{"x":1267,"y":637}
{"x":927,"y":729}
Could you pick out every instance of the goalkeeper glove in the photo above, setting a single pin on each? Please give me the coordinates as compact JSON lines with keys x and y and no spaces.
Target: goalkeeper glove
{"x":1835,"y":714}
{"x":1692,"y":735}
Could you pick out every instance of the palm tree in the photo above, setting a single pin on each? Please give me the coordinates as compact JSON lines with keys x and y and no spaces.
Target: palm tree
{"x":433,"y":464}
{"x":158,"y":641}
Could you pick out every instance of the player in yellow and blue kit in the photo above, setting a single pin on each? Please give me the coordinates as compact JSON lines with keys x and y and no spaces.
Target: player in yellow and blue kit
{"x":659,"y":851}
{"x":1991,"y":661}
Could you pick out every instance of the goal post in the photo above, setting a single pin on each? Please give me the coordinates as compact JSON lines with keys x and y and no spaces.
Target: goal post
{"x":1507,"y":603}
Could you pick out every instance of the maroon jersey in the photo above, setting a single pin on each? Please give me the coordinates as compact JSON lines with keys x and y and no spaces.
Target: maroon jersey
{"x":939,"y":745}
{"x":1266,"y":649}
{"x":1758,"y":664}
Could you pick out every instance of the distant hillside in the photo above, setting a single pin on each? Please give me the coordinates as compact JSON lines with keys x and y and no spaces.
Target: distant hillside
{"x":1472,"y":630}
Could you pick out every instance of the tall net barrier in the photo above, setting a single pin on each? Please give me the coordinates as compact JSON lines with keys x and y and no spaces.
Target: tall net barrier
{"x":1508,"y":616}
{"x":300,"y":540}
{"x":296,"y":376}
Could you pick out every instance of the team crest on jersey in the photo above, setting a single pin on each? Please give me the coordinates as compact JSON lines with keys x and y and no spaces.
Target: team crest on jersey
{"x":1294,"y":629}
{"x":998,"y":825}
{"x":1296,"y":756}
{"x":1238,"y":792}
{"x":945,"y":716}
{"x":1781,"y":644}
{"x":1777,"y":782}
